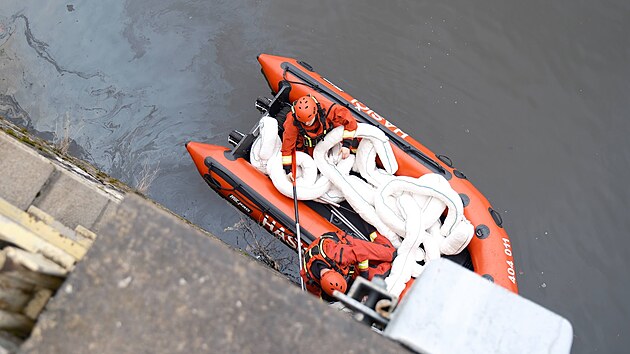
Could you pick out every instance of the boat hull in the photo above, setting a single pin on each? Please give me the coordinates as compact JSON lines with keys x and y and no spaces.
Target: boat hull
{"x":253,"y":193}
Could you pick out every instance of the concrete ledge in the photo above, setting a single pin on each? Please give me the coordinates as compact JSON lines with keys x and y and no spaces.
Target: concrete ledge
{"x":153,"y":284}
{"x":71,"y":200}
{"x":450,"y":309}
{"x":23,"y":172}
{"x":106,"y":214}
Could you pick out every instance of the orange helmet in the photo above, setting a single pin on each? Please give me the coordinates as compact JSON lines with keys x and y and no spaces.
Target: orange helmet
{"x":305,"y":108}
{"x":332,"y":281}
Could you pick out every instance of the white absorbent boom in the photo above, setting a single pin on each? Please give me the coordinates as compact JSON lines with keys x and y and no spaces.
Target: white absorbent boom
{"x":406,"y":210}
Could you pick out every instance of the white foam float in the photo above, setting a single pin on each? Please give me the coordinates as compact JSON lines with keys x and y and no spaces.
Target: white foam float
{"x":406,"y":210}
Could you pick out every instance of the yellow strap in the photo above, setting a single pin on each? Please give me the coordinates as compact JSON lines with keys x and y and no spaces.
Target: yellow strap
{"x":373,"y":236}
{"x":287,"y":159}
{"x":349,"y":134}
{"x":363,"y":265}
{"x":321,"y":248}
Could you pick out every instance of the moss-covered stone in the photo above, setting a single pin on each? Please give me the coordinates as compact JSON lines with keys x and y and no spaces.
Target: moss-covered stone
{"x":49,"y":150}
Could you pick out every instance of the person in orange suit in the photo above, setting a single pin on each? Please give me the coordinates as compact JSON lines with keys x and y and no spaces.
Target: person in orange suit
{"x":308,"y":122}
{"x":333,"y":260}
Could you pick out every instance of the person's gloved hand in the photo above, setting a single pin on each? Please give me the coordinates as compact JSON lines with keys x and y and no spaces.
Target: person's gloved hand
{"x":345,"y":152}
{"x":287,"y":170}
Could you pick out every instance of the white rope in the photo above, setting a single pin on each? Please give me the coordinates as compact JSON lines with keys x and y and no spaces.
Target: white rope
{"x":406,"y":210}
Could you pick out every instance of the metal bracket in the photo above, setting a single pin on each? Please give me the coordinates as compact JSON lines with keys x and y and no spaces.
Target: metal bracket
{"x":370,"y":301}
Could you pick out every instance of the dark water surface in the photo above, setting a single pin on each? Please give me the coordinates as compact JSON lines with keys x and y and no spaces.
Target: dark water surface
{"x":531,"y":100}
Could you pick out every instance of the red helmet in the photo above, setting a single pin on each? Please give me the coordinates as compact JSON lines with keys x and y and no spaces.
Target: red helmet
{"x":332,"y":281}
{"x":305,"y":108}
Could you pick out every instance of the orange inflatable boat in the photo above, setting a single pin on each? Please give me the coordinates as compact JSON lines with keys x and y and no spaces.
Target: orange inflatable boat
{"x":228,"y":171}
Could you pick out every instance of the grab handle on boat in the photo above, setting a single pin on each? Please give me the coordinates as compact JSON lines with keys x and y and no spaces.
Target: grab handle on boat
{"x":497,"y":217}
{"x":447,"y":160}
{"x":410,"y":150}
{"x":212,"y":182}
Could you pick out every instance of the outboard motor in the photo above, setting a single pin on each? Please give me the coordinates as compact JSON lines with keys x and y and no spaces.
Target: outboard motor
{"x":262,"y":104}
{"x":235,"y":137}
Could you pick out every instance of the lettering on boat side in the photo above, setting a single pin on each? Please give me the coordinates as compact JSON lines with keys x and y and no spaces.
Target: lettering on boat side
{"x":239,"y":204}
{"x":510,"y":263}
{"x":277,"y":230}
{"x":365,"y":109}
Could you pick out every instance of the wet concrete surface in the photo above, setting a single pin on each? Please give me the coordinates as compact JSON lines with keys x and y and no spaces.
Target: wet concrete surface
{"x":528,"y":99}
{"x":188,"y":293}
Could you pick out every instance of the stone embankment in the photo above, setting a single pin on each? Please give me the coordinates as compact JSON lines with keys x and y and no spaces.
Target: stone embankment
{"x":50,"y":211}
{"x":87,"y":265}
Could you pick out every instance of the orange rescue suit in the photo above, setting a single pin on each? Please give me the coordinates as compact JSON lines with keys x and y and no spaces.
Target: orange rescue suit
{"x":292,"y":139}
{"x":346,"y":255}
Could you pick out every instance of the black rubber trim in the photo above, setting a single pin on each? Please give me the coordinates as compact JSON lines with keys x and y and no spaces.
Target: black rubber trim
{"x":447,"y":160}
{"x":482,"y":231}
{"x":214,"y":184}
{"x":497,"y":217}
{"x":260,"y":202}
{"x":459,"y":174}
{"x":306,"y":65}
{"x":465,"y":199}
{"x":334,"y":97}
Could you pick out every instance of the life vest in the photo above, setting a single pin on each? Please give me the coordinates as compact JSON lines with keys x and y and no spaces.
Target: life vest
{"x":315,"y":252}
{"x":326,"y":126}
